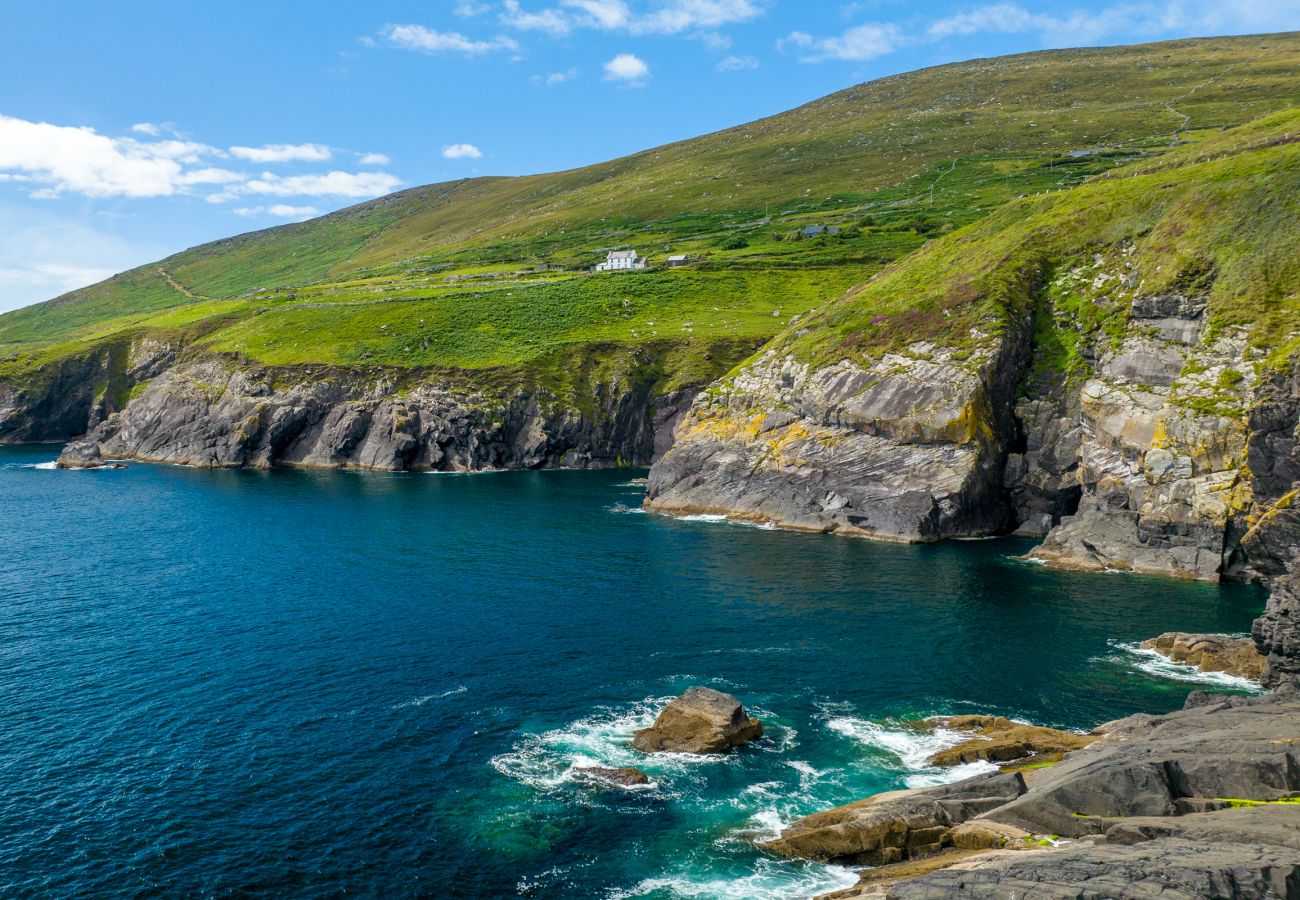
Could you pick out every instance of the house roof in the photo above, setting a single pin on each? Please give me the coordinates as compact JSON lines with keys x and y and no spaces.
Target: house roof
{"x":622,"y":254}
{"x":679,"y":256}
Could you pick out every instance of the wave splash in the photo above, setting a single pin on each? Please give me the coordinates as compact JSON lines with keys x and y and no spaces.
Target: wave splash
{"x":911,"y":749}
{"x":1156,"y":664}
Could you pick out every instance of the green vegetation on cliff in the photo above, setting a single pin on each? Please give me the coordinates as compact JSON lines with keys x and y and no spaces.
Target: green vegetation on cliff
{"x":989,"y":178}
{"x":1216,"y":219}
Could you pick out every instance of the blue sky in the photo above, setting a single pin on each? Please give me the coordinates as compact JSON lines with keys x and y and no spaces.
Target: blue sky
{"x":132,"y":130}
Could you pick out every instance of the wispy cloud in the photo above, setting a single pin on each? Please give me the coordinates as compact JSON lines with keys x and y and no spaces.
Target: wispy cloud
{"x":148,"y":128}
{"x":628,"y":69}
{"x":430,"y":40}
{"x":278,"y":211}
{"x":1124,"y":21}
{"x":736,"y":64}
{"x":551,"y":79}
{"x":374,"y":159}
{"x":350,"y":185}
{"x":857,"y":44}
{"x":277,"y":153}
{"x":667,"y":17}
{"x":462,"y":151}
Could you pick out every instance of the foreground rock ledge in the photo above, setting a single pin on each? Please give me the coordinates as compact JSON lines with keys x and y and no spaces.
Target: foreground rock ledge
{"x":701,"y":721}
{"x":1210,"y":653}
{"x":1203,"y":802}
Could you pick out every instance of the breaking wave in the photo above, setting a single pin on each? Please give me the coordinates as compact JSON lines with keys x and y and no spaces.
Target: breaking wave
{"x":910,"y":749}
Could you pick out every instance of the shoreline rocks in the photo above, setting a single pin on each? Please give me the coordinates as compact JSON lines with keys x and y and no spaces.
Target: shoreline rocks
{"x":1210,"y":653}
{"x":700,"y":721}
{"x":1200,"y":802}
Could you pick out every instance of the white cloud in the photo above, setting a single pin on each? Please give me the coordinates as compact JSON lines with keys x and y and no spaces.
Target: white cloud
{"x":80,"y":160}
{"x":352,"y":185}
{"x":374,"y":159}
{"x":608,"y":14}
{"x":736,"y":64}
{"x":279,"y":211}
{"x":273,"y":153}
{"x":468,"y":9}
{"x":1122,"y":21}
{"x":462,"y":151}
{"x":148,"y":128}
{"x":628,"y":69}
{"x":683,"y":15}
{"x":551,"y":79}
{"x":668,"y":17}
{"x":429,"y":40}
{"x":552,"y":21}
{"x":858,"y":44}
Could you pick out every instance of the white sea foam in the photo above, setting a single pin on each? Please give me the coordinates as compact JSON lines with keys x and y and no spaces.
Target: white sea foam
{"x":622,"y":509}
{"x":1158,"y":665}
{"x":770,"y":879}
{"x":52,"y":464}
{"x":420,"y":701}
{"x":702,"y":517}
{"x":546,"y":761}
{"x":912,"y":748}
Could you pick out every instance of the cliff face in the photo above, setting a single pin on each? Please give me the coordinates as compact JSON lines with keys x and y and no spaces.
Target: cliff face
{"x":215,"y":410}
{"x":909,"y":448}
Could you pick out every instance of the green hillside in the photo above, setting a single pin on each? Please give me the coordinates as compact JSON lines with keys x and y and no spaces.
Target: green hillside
{"x":1219,"y":219}
{"x":488,"y":273}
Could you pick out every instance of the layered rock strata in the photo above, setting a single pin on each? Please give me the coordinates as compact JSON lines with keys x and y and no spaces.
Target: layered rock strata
{"x":911,"y":447}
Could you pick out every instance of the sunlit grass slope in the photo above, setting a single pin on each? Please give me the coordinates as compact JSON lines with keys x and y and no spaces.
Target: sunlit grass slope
{"x":485,"y":273}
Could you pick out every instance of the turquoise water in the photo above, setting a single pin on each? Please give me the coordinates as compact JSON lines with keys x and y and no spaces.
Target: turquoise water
{"x":317,"y":683}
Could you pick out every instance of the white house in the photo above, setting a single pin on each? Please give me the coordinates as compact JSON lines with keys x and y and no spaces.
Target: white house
{"x":680,"y":259}
{"x":621,"y":261}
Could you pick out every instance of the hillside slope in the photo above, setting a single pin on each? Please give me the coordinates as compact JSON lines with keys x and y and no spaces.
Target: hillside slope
{"x":452,"y":326}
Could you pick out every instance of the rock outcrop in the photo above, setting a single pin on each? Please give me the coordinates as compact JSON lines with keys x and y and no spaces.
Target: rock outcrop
{"x":701,"y":721}
{"x":997,"y":739}
{"x":910,"y":448}
{"x":84,"y":455}
{"x":1210,"y":652}
{"x":1277,"y":635}
{"x":1200,"y":802}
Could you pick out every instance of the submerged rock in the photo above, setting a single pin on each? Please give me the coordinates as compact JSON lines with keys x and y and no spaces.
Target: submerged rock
{"x":626,"y":777}
{"x":1210,"y":652}
{"x":701,"y":720}
{"x":997,"y":739}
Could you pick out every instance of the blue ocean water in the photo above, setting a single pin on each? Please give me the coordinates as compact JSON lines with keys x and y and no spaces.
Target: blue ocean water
{"x":293,"y":683}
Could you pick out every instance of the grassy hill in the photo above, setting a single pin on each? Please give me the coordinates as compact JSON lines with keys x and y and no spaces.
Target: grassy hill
{"x":487,"y":274}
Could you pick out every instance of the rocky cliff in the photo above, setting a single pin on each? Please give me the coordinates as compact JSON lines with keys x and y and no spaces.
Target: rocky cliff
{"x":1110,"y":370}
{"x":156,"y":402}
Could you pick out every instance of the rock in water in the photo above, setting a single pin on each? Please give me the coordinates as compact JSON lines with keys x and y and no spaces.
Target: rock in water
{"x":626,"y":777}
{"x":997,"y":739}
{"x":1210,"y":652}
{"x":701,"y":720}
{"x":84,"y":455}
